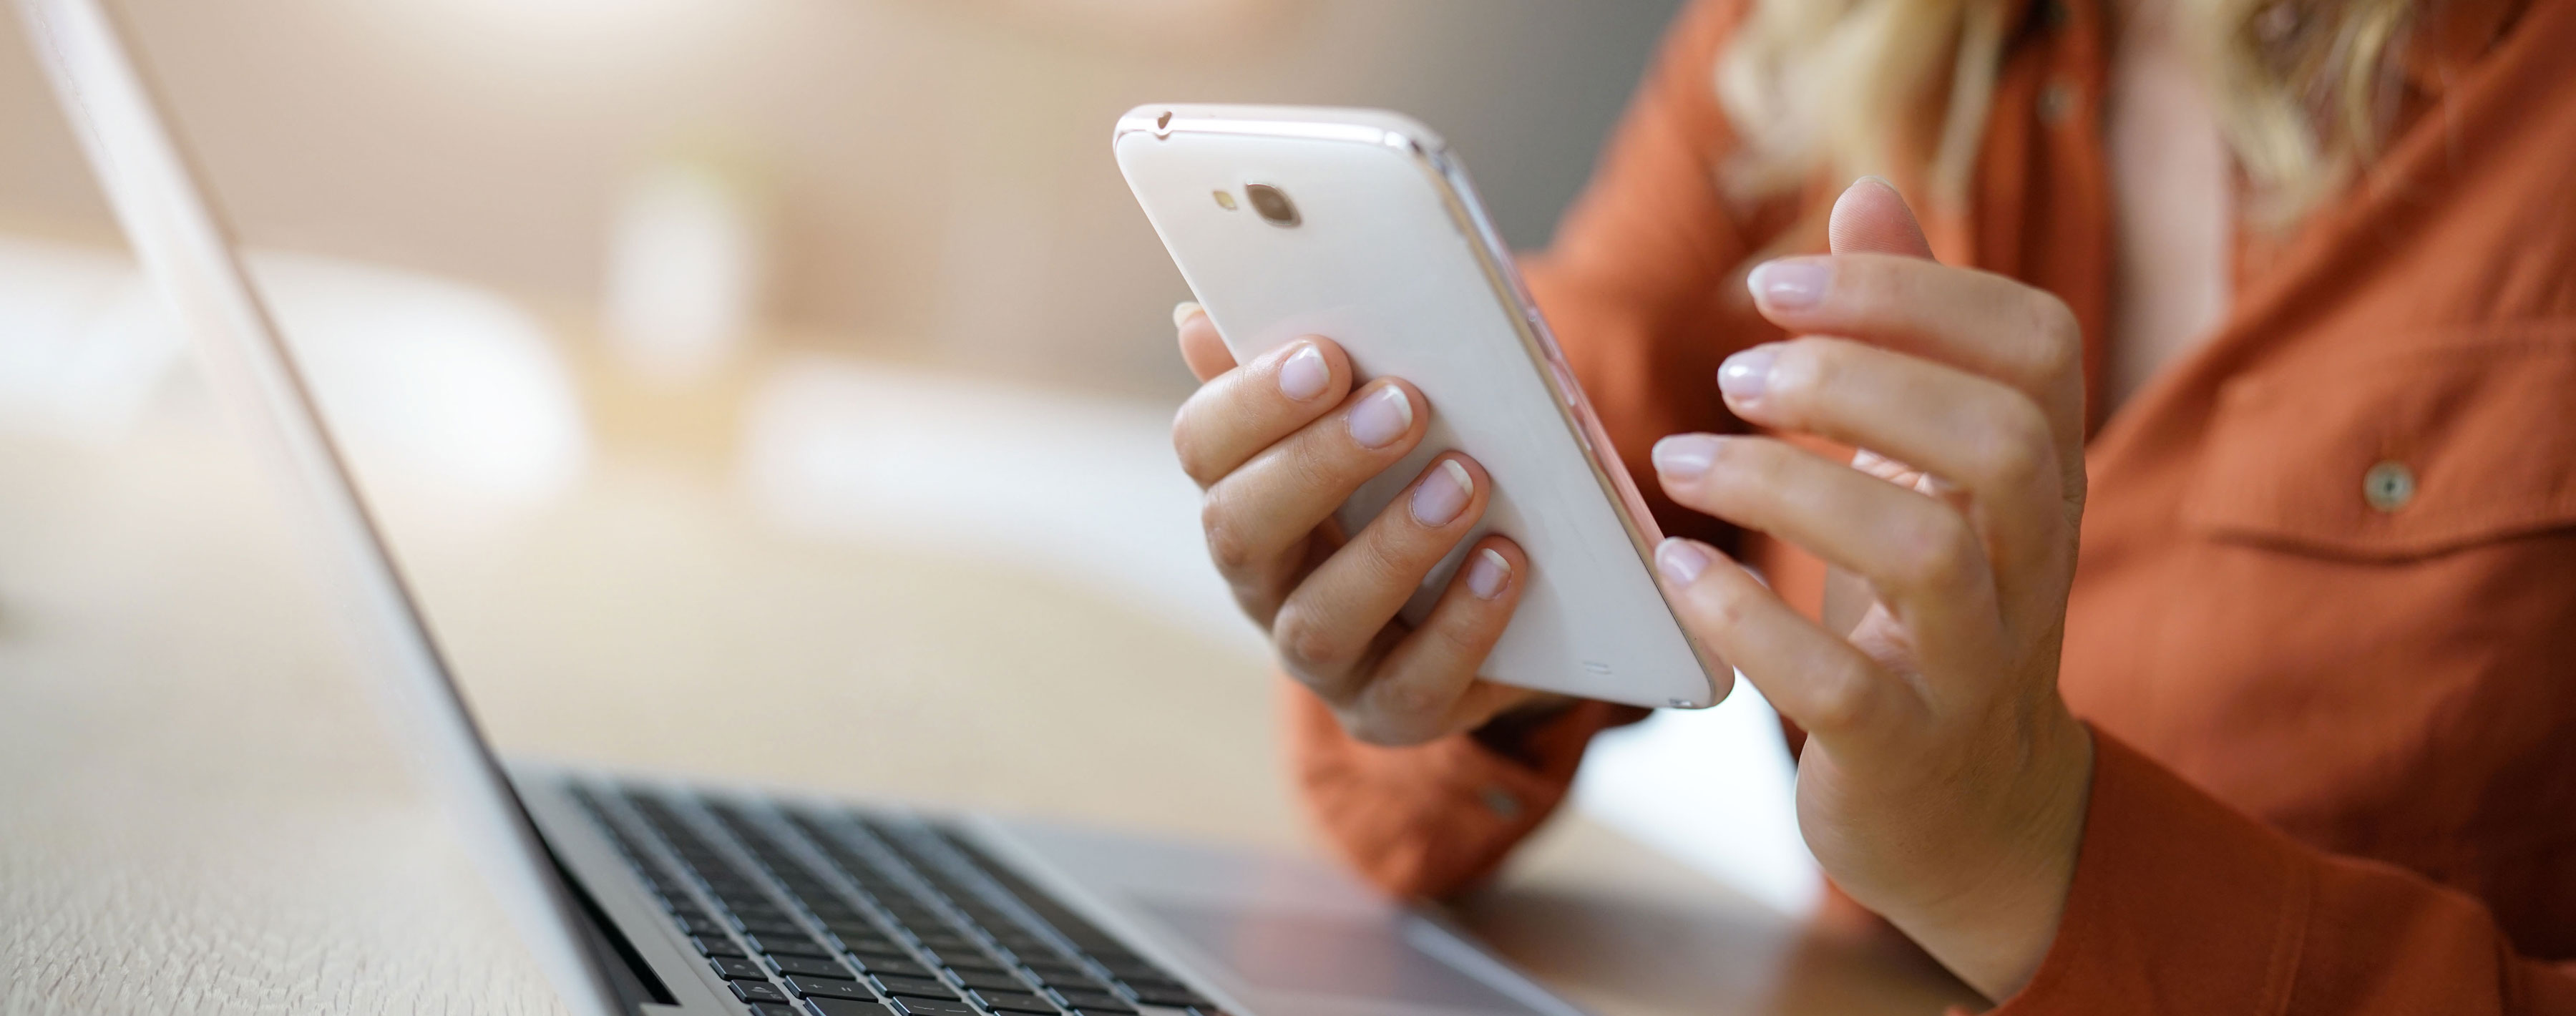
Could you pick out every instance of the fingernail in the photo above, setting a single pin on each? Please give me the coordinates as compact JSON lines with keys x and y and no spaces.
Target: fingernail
{"x":1303,"y":374}
{"x":1443,"y":494}
{"x":1685,"y":455}
{"x":1382,"y":417}
{"x":1789,"y":285}
{"x":1680,"y":560}
{"x":1745,"y":375}
{"x":1183,"y":311}
{"x":1486,"y":574}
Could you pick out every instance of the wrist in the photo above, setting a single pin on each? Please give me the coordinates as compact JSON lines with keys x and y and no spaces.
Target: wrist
{"x":1996,"y":937}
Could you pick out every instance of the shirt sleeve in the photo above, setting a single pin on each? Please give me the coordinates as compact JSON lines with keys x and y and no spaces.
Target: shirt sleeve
{"x":1643,"y":290}
{"x":2181,"y":904}
{"x":1432,"y":819}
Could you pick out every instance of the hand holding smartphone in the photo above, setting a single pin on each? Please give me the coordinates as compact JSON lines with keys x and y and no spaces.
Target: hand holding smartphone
{"x":1356,"y":225}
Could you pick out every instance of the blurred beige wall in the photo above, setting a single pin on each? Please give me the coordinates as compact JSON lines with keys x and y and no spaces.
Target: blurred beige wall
{"x":937,"y":171}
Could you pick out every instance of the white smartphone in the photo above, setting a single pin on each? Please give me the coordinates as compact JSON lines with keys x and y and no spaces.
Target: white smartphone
{"x":1357,"y":225}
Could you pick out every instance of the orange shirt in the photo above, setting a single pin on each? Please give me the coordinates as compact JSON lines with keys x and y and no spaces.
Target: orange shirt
{"x":2324,"y":619}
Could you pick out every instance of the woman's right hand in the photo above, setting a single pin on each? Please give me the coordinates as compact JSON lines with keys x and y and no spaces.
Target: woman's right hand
{"x":1278,"y":444}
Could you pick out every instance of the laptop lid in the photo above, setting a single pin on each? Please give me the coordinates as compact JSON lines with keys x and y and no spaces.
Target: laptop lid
{"x":188,"y":254}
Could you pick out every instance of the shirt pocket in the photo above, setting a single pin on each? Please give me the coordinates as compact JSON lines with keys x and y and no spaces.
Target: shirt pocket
{"x":2397,"y":454}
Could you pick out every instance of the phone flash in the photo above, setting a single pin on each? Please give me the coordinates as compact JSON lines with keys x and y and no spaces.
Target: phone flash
{"x":1225,"y":200}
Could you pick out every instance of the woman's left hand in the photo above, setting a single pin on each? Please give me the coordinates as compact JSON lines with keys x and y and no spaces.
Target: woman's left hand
{"x":1944,"y":782}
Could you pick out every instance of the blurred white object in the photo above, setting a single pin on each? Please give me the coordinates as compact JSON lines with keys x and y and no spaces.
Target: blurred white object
{"x":1714,"y":789}
{"x":1081,"y":488}
{"x":449,"y":391}
{"x":684,"y":270}
{"x":454,"y":392}
{"x":84,"y":343}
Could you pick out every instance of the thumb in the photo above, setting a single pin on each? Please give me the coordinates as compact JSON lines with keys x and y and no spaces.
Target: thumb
{"x":1872,"y":218}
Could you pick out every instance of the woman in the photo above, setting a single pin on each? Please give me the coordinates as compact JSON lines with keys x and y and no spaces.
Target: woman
{"x":2277,"y":303}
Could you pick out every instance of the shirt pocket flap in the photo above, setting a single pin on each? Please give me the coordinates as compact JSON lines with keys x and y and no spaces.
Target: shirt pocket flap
{"x":2397,"y":455}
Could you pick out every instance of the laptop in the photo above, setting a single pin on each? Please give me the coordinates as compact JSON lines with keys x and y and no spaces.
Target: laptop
{"x":650,"y":895}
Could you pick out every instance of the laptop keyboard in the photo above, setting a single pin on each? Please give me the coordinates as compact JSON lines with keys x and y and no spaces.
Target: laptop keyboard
{"x":843,"y":913}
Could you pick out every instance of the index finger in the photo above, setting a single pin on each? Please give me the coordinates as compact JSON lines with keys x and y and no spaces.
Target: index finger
{"x":1201,"y":347}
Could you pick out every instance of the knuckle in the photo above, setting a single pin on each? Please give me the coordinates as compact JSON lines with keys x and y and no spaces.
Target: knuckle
{"x":1728,"y":604}
{"x":1306,"y":643}
{"x":1377,"y":726}
{"x":2061,"y":337}
{"x":2016,"y":448}
{"x":1189,"y":444}
{"x":1937,"y":551}
{"x":1842,"y":699}
{"x":1806,"y":368}
{"x":1228,"y":545}
{"x":1408,"y":702}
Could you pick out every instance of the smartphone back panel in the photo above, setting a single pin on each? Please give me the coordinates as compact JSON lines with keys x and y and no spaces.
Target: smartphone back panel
{"x":1391,"y":256}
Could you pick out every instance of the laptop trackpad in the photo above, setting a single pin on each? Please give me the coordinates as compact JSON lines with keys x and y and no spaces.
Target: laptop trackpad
{"x":1355,"y":957}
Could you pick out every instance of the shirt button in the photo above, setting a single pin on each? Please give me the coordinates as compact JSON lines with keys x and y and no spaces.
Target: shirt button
{"x":2056,"y":103}
{"x":2388,"y":486}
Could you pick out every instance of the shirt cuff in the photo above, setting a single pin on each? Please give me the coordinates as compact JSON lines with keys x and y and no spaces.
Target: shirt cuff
{"x":2179,"y":904}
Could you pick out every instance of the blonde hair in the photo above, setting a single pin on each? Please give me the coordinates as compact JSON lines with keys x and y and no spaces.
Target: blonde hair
{"x":2302,"y":89}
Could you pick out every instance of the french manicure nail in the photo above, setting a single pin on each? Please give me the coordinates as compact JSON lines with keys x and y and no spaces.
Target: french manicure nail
{"x":1183,"y":311}
{"x":1486,"y":574}
{"x":1789,"y":285}
{"x":1303,"y":374}
{"x":1680,"y":560}
{"x":1747,"y":374}
{"x":1443,"y":494}
{"x":1382,"y":417}
{"x":1685,"y":456}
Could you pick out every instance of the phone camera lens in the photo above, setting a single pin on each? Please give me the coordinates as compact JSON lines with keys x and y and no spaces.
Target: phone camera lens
{"x":1273,"y":204}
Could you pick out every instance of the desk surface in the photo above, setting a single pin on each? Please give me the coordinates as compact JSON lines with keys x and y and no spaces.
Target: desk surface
{"x":202,"y":813}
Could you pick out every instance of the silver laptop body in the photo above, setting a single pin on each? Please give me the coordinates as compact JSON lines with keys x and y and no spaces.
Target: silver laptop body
{"x":653,"y":896}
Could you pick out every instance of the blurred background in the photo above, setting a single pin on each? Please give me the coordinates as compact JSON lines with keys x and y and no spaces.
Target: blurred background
{"x":775,"y":389}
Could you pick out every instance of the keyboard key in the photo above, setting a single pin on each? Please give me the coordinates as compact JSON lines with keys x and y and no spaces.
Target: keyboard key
{"x":700,"y":924}
{"x":1018,"y":1001}
{"x":963,"y":958}
{"x":813,"y":986}
{"x":914,"y":986}
{"x":807,"y":966}
{"x":849,"y":1007}
{"x":1094,"y":1002}
{"x":780,"y":927}
{"x":1134,"y":970}
{"x":715,"y":945}
{"x":932,"y":1007}
{"x":980,"y":980}
{"x":877,"y":963}
{"x":1170,"y":998}
{"x":869,"y":942}
{"x":978,"y":963}
{"x":774,"y":1010}
{"x":757,"y":991}
{"x":734,"y":969}
{"x":791,"y":945}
